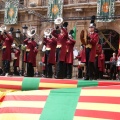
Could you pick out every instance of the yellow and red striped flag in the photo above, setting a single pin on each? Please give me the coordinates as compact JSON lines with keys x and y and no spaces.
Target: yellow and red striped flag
{"x":91,"y":103}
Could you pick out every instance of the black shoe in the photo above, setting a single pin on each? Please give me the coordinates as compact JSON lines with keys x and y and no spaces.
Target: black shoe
{"x":86,"y":78}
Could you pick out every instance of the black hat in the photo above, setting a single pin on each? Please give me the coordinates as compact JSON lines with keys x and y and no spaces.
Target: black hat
{"x":65,"y":24}
{"x":57,"y":27}
{"x":92,"y":22}
{"x":71,"y":32}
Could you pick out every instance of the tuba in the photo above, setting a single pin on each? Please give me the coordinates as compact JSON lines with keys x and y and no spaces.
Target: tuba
{"x":58,"y":21}
{"x":47,"y":32}
{"x":2,"y":29}
{"x":31,"y":32}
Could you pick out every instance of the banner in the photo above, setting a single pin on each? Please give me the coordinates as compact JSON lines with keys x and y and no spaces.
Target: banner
{"x":74,"y":34}
{"x":106,"y":9}
{"x":11,"y":12}
{"x":55,"y":8}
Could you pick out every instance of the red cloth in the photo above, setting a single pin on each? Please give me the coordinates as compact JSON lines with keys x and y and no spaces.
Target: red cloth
{"x":101,"y":62}
{"x":69,"y":47}
{"x":7,"y":42}
{"x":34,"y":57}
{"x":17,"y":55}
{"x":51,"y":43}
{"x":93,"y":41}
{"x":30,"y":45}
{"x":61,"y":40}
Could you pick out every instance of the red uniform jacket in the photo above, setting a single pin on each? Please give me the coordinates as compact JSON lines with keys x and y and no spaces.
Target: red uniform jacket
{"x":98,"y":54}
{"x":61,"y":43}
{"x":82,"y":57}
{"x":29,"y":51}
{"x":69,"y":47}
{"x":7,"y":42}
{"x":51,"y":45}
{"x":34,"y":57}
{"x":93,"y":41}
{"x":17,"y":56}
{"x":102,"y":62}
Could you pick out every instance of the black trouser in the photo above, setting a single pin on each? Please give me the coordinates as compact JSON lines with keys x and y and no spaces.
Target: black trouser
{"x":87,"y":62}
{"x":30,"y":70}
{"x":60,"y":65}
{"x":113,"y":72}
{"x":91,"y":70}
{"x":68,"y":70}
{"x":101,"y":74}
{"x":6,"y":66}
{"x":15,"y":68}
{"x":96,"y":68}
{"x":80,"y":72}
{"x":48,"y":66}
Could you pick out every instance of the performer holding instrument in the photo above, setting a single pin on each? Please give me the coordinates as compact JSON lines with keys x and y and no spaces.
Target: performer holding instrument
{"x":61,"y":50}
{"x":90,"y":44}
{"x":50,"y":43}
{"x":6,"y":49}
{"x":69,"y":55}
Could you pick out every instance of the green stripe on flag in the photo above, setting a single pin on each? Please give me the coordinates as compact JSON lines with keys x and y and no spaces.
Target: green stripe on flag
{"x":61,"y":104}
{"x":83,"y":83}
{"x":30,"y":83}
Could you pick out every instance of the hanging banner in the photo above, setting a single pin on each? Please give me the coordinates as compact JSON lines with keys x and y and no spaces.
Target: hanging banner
{"x":55,"y":8}
{"x":11,"y":12}
{"x":105,"y":9}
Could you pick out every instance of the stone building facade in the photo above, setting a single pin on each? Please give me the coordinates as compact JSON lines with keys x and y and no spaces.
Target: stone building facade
{"x":70,"y":9}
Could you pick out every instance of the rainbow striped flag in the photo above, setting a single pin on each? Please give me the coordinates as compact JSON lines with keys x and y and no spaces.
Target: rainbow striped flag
{"x":88,"y":103}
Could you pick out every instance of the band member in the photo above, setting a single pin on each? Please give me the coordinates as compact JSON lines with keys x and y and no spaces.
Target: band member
{"x":92,"y":41}
{"x":61,"y":50}
{"x":82,"y":59}
{"x":113,"y":61}
{"x":97,"y":58}
{"x":16,"y":60}
{"x":6,"y":51}
{"x":29,"y":56}
{"x":101,"y":64}
{"x":69,"y":55}
{"x":51,"y":43}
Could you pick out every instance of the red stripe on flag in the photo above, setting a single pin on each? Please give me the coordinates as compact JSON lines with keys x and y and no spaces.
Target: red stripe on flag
{"x":98,"y":114}
{"x":25,"y":98}
{"x":115,"y":87}
{"x":21,"y":110}
{"x":99,"y":99}
{"x":65,"y":81}
{"x":104,"y":83}
{"x":12,"y":78}
{"x":16,"y":87}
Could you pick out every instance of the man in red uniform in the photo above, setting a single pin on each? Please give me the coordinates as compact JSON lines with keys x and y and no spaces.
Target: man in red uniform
{"x":61,"y":50}
{"x":51,"y":43}
{"x":92,"y":40}
{"x":69,"y":55}
{"x":113,"y":61}
{"x":6,"y":51}
{"x":97,"y":58}
{"x":28,"y":58}
{"x":16,"y":60}
{"x":101,"y":64}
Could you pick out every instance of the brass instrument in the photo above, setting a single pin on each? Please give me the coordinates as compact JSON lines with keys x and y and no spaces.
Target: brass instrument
{"x":58,"y":21}
{"x":2,"y":28}
{"x":84,"y":38}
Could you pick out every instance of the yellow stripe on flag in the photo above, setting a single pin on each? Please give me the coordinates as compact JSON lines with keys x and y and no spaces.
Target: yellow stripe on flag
{"x":101,"y":92}
{"x":99,"y":106}
{"x":87,"y":118}
{"x":57,"y":85}
{"x":34,"y":92}
{"x":17,"y":116}
{"x":8,"y":82}
{"x":32,"y":104}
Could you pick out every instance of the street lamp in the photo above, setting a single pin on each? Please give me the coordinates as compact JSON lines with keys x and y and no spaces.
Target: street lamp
{"x":18,"y":33}
{"x":24,"y":29}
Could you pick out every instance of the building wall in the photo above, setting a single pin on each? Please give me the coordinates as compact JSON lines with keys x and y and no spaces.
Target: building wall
{"x":88,"y":6}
